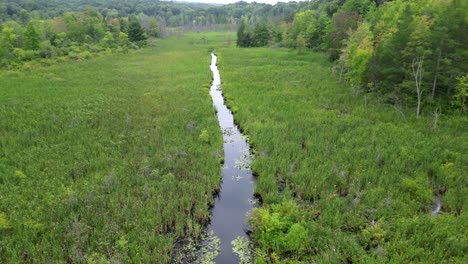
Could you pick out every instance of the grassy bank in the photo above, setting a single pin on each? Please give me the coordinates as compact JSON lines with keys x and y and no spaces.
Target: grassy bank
{"x":101,"y":160}
{"x":344,"y":177}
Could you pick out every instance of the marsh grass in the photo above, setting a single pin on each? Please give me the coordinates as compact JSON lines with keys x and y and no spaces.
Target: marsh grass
{"x":111,"y":159}
{"x":345,"y":170}
{"x":116,"y":159}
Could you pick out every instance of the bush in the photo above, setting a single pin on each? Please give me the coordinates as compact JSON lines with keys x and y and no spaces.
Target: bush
{"x":24,"y":55}
{"x":204,"y":136}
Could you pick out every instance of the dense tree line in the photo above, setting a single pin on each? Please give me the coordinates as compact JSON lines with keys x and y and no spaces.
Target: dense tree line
{"x":74,"y":35}
{"x":407,"y":50}
{"x":172,"y":14}
{"x":407,"y":53}
{"x":258,"y":36}
{"x":49,"y":29}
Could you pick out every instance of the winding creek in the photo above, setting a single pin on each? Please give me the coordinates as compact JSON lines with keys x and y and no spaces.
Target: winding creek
{"x":235,"y":199}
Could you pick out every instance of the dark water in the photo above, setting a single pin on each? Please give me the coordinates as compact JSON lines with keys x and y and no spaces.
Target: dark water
{"x":235,"y":200}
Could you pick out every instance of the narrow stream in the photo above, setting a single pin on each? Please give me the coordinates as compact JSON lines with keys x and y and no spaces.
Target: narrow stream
{"x":437,"y":206}
{"x":235,"y":200}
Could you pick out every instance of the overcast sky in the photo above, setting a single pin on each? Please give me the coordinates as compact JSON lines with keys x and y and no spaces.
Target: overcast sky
{"x":233,"y":1}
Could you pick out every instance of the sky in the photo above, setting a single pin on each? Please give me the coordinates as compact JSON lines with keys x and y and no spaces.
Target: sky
{"x":233,"y":1}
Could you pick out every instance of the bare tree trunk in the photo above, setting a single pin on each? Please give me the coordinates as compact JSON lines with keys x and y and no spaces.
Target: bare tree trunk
{"x":398,"y":109}
{"x":436,"y":118}
{"x":418,"y":73}
{"x":434,"y":83}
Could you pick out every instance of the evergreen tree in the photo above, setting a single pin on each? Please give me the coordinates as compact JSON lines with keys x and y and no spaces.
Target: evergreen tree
{"x":135,"y":31}
{"x":243,"y":36}
{"x":261,"y":35}
{"x":123,"y":24}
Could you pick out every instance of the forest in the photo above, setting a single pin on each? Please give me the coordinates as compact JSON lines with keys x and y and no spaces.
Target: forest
{"x":355,"y":112}
{"x":83,"y":28}
{"x":406,"y":52}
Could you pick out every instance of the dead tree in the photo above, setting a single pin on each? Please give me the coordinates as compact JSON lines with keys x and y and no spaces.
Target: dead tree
{"x":436,"y":118}
{"x":434,"y":83}
{"x":417,"y":67}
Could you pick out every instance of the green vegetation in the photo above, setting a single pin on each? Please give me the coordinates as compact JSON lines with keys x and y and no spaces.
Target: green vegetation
{"x":410,"y":53}
{"x":343,"y":177}
{"x":51,"y":30}
{"x":75,"y":35}
{"x":112,"y":159}
{"x":257,"y":37}
{"x":168,"y":13}
{"x":115,"y":158}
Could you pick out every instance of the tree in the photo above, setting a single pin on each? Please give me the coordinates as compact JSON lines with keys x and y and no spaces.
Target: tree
{"x":123,"y":23}
{"x":393,"y":24}
{"x":357,"y":54}
{"x":123,"y":41}
{"x":360,"y":6}
{"x":418,"y":72}
{"x":307,"y":24}
{"x":261,"y":35}
{"x":108,"y":40}
{"x":243,"y":36}
{"x":24,"y":17}
{"x":31,"y":37}
{"x":300,"y":44}
{"x":153,"y":28}
{"x":86,"y":26}
{"x":135,"y":31}
{"x":461,"y":95}
{"x":448,"y":41}
{"x":342,"y":24}
{"x":8,"y":38}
